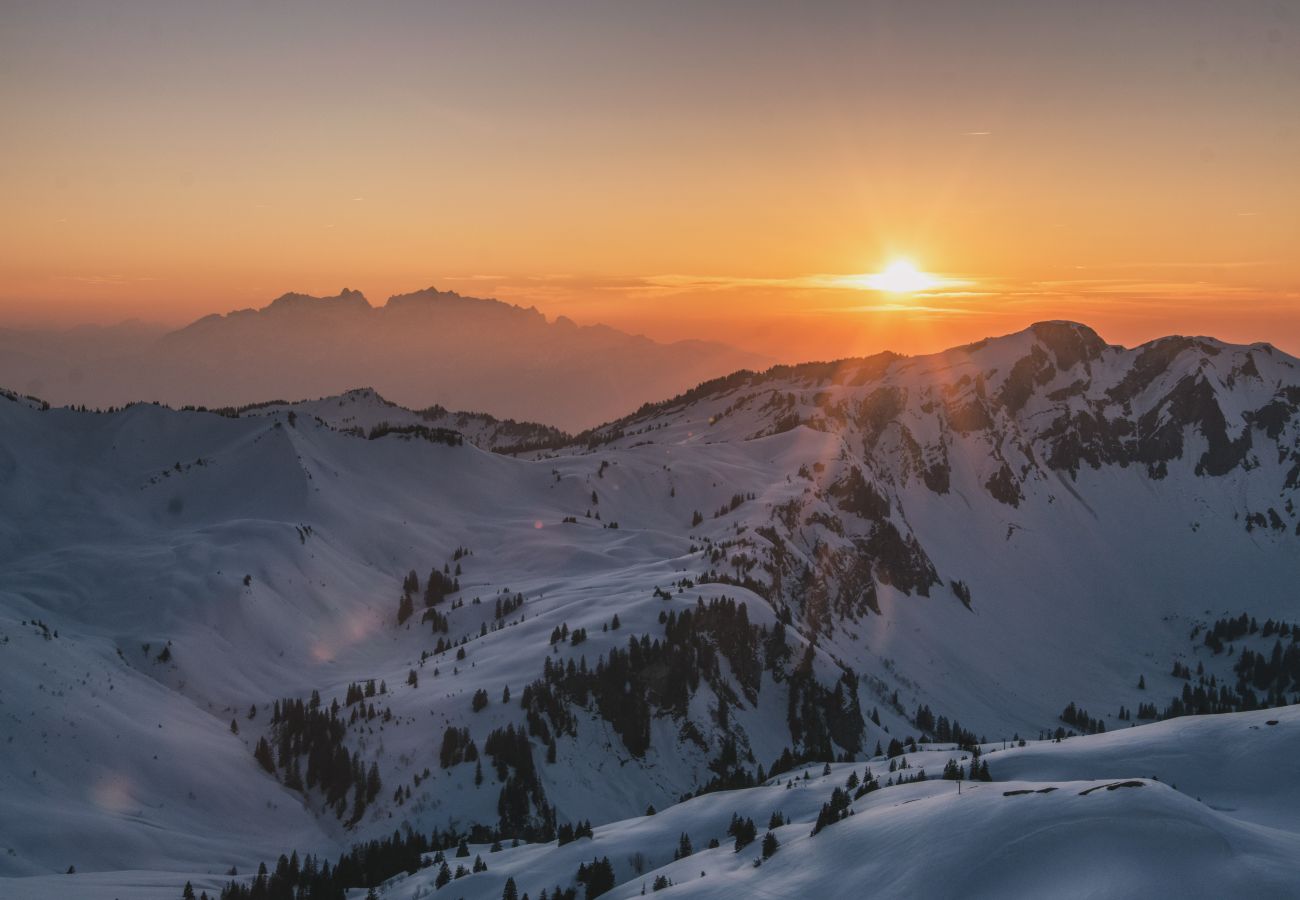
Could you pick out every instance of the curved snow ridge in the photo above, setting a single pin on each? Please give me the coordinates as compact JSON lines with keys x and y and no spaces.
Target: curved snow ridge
{"x":1126,"y":838}
{"x":1077,"y":834}
{"x":1074,"y":841}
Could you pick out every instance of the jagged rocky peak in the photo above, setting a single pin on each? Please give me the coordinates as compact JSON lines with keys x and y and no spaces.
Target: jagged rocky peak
{"x":346,"y":299}
{"x":1069,"y":342}
{"x":430,"y":300}
{"x":425,"y":297}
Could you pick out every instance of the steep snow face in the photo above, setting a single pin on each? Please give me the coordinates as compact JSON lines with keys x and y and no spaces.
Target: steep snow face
{"x":943,"y":531}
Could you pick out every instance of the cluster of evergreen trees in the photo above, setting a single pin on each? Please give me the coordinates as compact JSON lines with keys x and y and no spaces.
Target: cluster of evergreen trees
{"x":506,"y":605}
{"x":1272,"y":674}
{"x":1078,"y":718}
{"x":649,"y":676}
{"x":817,"y":717}
{"x":433,"y":435}
{"x":1227,"y":630}
{"x":1262,"y":679}
{"x":598,"y":876}
{"x":543,"y":704}
{"x":743,"y":830}
{"x":1275,"y":673}
{"x":943,"y":731}
{"x":729,"y":774}
{"x":358,"y":692}
{"x":521,"y":788}
{"x":979,"y":770}
{"x":304,"y":730}
{"x":457,"y":747}
{"x":858,"y":496}
{"x":630,"y":684}
{"x":835,"y":810}
{"x":365,"y":865}
{"x":567,"y":834}
{"x":440,"y":585}
{"x":732,"y":505}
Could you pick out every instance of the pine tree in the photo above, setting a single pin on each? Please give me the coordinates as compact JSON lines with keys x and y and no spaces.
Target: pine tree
{"x":744,"y":831}
{"x":770,"y":845}
{"x":263,"y":755}
{"x":684,"y":848}
{"x":511,"y":892}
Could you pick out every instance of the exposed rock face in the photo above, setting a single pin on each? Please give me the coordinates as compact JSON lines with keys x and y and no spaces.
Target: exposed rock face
{"x":1012,"y":418}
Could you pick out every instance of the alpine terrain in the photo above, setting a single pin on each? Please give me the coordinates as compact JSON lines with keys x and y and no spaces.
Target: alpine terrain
{"x":1015,"y":619}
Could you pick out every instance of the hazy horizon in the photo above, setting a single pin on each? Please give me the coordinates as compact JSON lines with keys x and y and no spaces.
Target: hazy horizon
{"x":767,"y":339}
{"x":1132,"y":168}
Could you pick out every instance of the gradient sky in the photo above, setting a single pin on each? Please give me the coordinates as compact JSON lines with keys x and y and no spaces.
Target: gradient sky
{"x":681,"y":169}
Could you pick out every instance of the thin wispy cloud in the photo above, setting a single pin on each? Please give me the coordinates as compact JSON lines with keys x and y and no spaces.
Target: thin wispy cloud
{"x":108,"y":280}
{"x":1175,"y":264}
{"x":822,"y":281}
{"x":905,"y":308}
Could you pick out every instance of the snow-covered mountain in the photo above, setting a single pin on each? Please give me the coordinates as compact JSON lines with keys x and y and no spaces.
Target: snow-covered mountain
{"x":364,"y":412}
{"x":769,"y":570}
{"x":463,"y":352}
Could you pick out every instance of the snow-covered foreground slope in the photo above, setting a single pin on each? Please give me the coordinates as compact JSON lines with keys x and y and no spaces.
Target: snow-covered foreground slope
{"x":1093,"y":816}
{"x":812,"y":562}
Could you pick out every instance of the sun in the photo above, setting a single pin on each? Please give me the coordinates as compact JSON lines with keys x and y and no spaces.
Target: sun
{"x":901,"y":277}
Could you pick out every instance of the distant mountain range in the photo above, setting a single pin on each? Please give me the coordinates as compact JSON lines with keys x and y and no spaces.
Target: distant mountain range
{"x":421,"y":349}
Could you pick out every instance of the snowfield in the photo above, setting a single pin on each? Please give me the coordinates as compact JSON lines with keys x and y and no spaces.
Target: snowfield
{"x":1035,"y":833}
{"x":983,"y":536}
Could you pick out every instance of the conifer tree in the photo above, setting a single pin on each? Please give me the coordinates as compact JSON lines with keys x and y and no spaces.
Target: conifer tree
{"x":684,"y":848}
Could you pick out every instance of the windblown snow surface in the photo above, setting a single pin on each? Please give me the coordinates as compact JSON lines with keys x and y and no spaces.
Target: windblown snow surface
{"x":991,"y":533}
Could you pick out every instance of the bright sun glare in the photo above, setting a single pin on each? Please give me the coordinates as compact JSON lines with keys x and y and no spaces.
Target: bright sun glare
{"x":900,"y":277}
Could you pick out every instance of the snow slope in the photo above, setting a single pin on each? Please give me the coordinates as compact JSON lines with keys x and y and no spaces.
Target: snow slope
{"x":266,"y":555}
{"x":1050,"y":825}
{"x":1080,"y":818}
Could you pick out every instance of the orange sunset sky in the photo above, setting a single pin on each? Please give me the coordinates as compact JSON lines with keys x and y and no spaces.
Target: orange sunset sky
{"x":725,"y":170}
